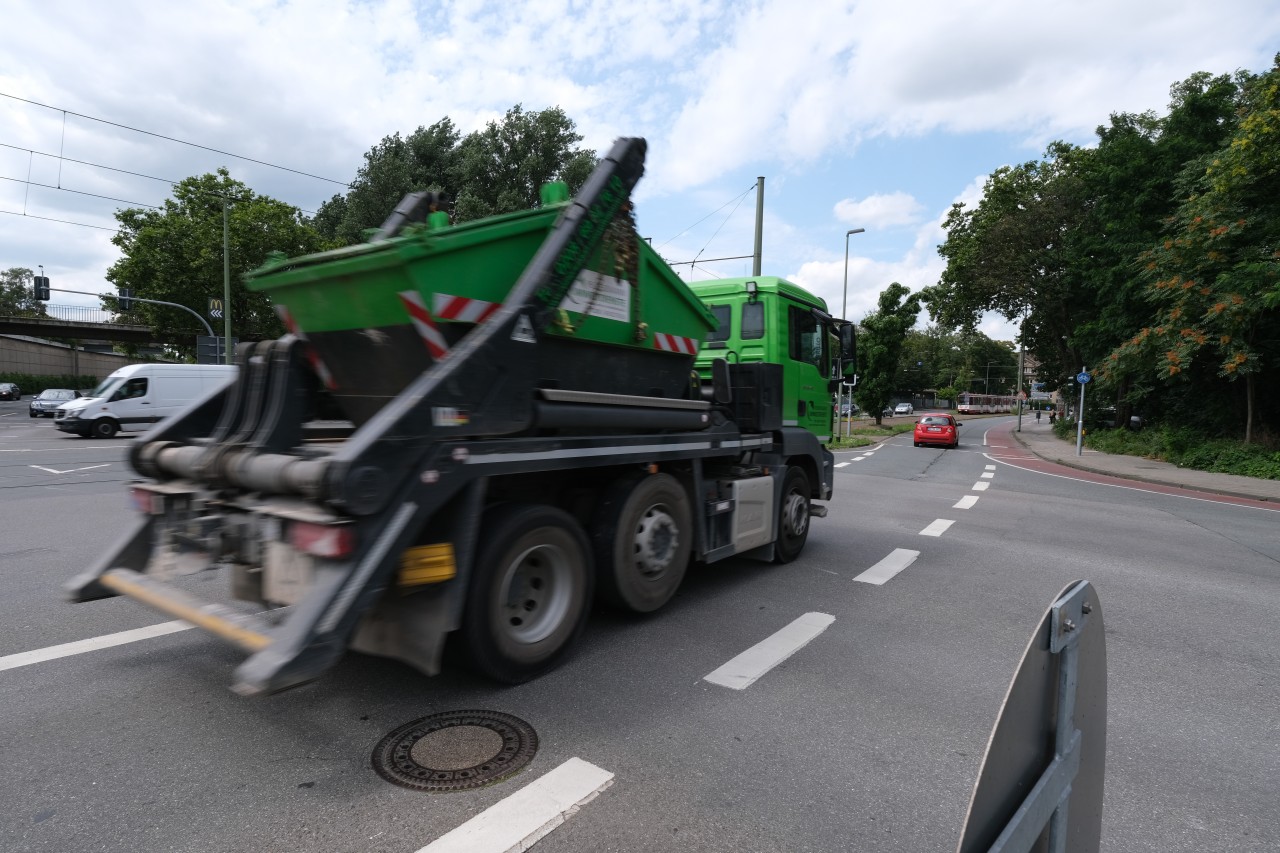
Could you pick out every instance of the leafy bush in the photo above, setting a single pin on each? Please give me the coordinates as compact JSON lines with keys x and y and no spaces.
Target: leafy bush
{"x":32,"y":384}
{"x":1183,"y":446}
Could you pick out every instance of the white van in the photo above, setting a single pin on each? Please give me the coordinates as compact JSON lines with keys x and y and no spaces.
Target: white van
{"x":137,"y":396}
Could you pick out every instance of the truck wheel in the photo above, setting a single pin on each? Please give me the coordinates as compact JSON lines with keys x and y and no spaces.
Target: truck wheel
{"x":105,"y":428}
{"x":530,"y":593}
{"x":793,"y":516}
{"x":643,"y":534}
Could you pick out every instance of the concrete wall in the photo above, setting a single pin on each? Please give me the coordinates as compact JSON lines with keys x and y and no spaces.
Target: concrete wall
{"x":42,"y":358}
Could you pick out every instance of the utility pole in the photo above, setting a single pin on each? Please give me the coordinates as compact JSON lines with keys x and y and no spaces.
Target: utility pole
{"x":755,"y":264}
{"x":226,"y":286}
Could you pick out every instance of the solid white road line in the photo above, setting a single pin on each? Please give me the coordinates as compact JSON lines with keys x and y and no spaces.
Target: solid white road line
{"x":937,"y":528}
{"x":79,"y":647}
{"x":966,"y":502}
{"x":981,"y":486}
{"x":519,"y":821}
{"x":987,"y":475}
{"x":741,"y":672}
{"x":888,"y":567}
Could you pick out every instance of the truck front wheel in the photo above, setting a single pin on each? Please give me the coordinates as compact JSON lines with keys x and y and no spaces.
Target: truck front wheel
{"x":530,"y":594}
{"x":793,"y":516}
{"x":643,"y":534}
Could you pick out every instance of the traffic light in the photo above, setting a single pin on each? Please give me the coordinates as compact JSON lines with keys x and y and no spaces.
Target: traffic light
{"x":125,"y":299}
{"x":42,"y":287}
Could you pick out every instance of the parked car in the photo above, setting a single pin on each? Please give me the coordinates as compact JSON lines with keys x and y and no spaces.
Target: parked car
{"x":9,"y":391}
{"x":44,"y":404}
{"x":904,"y":409}
{"x":847,"y":409}
{"x":937,"y":428}
{"x":887,"y":413}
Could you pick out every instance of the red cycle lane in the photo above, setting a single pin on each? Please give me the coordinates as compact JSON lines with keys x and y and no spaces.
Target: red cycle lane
{"x":1010,"y":451}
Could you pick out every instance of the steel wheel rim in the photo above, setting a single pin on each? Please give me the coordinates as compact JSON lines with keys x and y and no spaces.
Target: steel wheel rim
{"x":797,"y":514}
{"x":535,"y":594}
{"x":656,"y":540}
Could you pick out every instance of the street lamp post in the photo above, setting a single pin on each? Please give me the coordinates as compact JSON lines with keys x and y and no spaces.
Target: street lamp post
{"x":986,"y":383}
{"x":844,"y":312}
{"x":844,"y":306}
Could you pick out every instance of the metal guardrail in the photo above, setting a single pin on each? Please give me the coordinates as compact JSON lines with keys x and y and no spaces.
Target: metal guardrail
{"x":78,"y":314}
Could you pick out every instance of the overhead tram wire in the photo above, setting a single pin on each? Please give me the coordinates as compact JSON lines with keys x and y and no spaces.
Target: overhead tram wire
{"x":66,"y":112}
{"x":63,"y":221}
{"x":111,"y":169}
{"x":736,"y":200}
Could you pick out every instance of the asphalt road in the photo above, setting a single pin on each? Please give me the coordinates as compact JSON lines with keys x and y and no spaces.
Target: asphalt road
{"x":867,"y":738}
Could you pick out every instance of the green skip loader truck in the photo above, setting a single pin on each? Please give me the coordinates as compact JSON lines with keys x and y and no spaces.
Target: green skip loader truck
{"x":474,"y":431}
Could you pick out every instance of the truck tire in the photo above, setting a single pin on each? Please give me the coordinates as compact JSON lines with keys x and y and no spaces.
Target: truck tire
{"x":793,"y":516}
{"x":530,"y":592}
{"x":643,"y":534}
{"x":105,"y":428}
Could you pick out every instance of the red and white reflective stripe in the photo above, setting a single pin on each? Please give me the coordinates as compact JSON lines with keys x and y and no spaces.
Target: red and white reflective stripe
{"x":461,"y":308}
{"x":423,"y":322}
{"x":675,"y":343}
{"x":316,"y":364}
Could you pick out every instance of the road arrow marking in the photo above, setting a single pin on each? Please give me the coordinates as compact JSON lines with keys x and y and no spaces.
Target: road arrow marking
{"x":71,"y":470}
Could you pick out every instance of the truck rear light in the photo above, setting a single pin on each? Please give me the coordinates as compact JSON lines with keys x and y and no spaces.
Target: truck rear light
{"x":147,"y":502}
{"x":323,"y":540}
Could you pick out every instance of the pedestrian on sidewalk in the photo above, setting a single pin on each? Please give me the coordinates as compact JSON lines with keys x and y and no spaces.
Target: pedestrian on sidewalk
{"x":1037,"y":416}
{"x":1052,"y":413}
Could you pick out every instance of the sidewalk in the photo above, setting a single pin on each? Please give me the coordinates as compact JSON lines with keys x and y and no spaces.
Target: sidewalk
{"x":1040,"y":440}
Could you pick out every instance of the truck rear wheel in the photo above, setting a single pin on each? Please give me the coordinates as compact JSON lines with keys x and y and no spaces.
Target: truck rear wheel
{"x":530,"y":593}
{"x":793,"y":516}
{"x":643,"y":534}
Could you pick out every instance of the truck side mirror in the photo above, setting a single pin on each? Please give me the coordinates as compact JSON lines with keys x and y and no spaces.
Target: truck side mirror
{"x":848,"y":350}
{"x":722,"y":386}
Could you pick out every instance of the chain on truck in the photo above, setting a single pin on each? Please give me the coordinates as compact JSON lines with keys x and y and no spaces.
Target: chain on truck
{"x":536,"y":412}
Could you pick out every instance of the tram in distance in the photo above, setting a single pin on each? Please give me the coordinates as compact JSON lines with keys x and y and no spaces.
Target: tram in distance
{"x":985,"y":404}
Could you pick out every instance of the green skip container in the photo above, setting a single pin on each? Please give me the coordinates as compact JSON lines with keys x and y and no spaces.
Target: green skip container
{"x":378,"y":314}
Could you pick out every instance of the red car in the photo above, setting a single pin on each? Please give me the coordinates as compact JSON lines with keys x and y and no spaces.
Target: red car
{"x":937,"y":428}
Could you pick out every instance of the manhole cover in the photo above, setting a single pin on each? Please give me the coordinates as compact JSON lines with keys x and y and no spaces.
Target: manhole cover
{"x":455,"y":751}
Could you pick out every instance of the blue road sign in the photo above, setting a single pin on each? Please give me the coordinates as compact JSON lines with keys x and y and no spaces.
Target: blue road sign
{"x":1083,"y":377}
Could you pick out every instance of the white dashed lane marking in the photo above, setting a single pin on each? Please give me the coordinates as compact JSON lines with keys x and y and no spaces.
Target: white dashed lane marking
{"x":989,"y":468}
{"x":981,"y":486}
{"x":517,"y":822}
{"x":888,"y":567}
{"x":843,"y":464}
{"x":938,"y":527}
{"x":741,"y":672}
{"x":987,"y":475}
{"x":966,"y":502}
{"x":79,"y":647}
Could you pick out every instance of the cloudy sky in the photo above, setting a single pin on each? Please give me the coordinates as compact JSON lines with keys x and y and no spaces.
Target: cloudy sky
{"x":875,"y":115}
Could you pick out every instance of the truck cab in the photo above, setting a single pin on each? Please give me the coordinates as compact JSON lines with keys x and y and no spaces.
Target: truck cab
{"x":771,"y":320}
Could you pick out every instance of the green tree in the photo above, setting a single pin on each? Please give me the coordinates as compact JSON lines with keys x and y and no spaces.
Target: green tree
{"x":17,"y":297}
{"x":1012,"y":254}
{"x":498,"y":169}
{"x":393,"y":168}
{"x":880,"y":344}
{"x":175,"y":254}
{"x":1215,"y":278}
{"x":503,"y":167}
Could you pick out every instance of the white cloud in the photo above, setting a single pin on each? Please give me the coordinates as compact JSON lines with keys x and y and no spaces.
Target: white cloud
{"x":723,"y":92}
{"x":885,"y":210}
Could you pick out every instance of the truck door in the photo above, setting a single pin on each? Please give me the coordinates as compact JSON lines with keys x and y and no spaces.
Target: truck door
{"x":808,"y":368}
